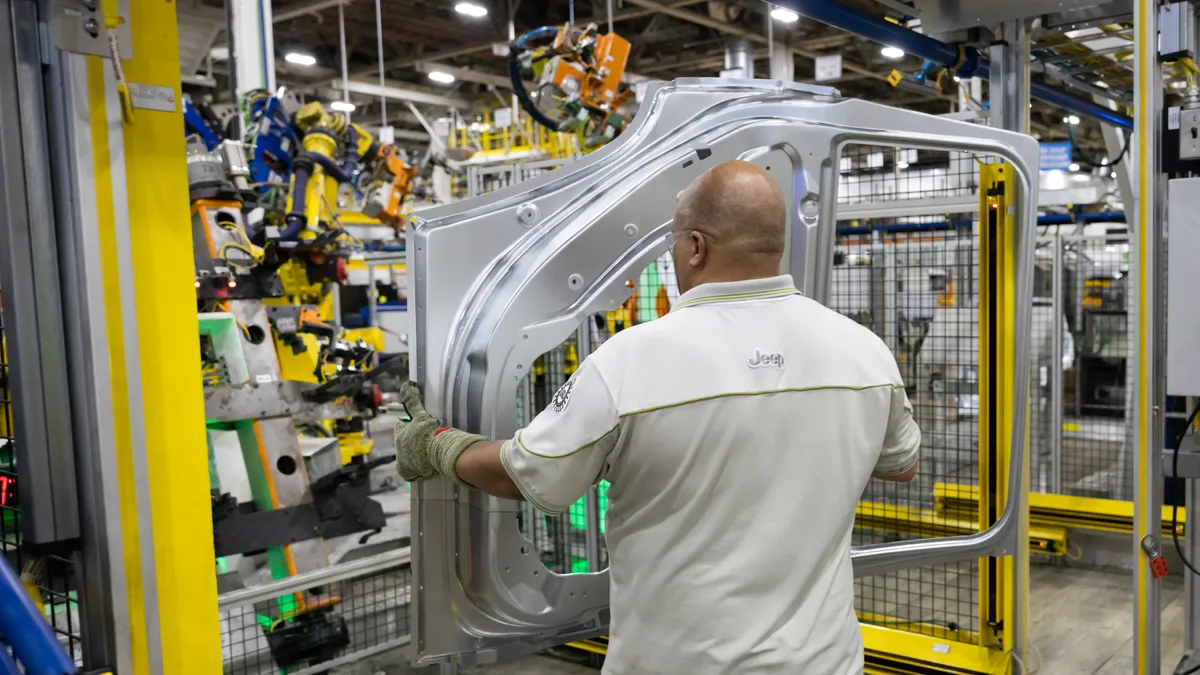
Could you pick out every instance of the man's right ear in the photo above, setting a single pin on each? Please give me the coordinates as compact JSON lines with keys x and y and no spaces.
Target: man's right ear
{"x":699,"y":249}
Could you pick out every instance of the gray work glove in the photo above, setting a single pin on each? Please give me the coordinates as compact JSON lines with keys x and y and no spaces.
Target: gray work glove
{"x":424,"y":448}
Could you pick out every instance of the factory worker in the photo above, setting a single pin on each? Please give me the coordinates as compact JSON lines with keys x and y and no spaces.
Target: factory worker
{"x":737,"y":432}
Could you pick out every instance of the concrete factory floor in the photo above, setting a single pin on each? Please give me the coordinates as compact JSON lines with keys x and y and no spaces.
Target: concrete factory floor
{"x":1082,"y":623}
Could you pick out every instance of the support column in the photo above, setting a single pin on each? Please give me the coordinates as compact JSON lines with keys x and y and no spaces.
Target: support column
{"x":1008,"y":85}
{"x":1056,"y":366}
{"x":252,"y":47}
{"x":783,"y":63}
{"x":1144,"y":267}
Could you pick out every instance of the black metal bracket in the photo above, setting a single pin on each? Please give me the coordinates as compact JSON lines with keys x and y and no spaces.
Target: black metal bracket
{"x":340,"y":506}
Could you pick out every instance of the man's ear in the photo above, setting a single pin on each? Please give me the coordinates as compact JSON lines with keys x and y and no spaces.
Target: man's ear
{"x":699,"y":249}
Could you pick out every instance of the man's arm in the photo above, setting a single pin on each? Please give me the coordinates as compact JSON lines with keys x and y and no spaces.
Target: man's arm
{"x":551,"y":463}
{"x":480,"y":466}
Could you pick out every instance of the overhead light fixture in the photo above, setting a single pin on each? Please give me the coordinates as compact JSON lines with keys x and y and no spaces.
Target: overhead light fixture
{"x":1101,"y":83}
{"x":1073,"y":167}
{"x":1112,"y":175}
{"x":342,"y":106}
{"x":901,"y":165}
{"x":892,"y":52}
{"x":783,"y":15}
{"x":471,"y":9}
{"x":1071,"y":119}
{"x":957,"y":78}
{"x":1103,"y":161}
{"x":441,"y":76}
{"x":300,"y":59}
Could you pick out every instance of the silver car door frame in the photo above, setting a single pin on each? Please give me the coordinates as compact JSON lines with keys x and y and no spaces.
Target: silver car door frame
{"x":498,"y":280}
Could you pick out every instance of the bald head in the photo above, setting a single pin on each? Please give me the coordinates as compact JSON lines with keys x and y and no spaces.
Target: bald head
{"x":729,"y":225}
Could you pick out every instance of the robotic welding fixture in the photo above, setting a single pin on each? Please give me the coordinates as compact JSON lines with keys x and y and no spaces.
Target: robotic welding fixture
{"x":578,"y":79}
{"x":499,"y":280}
{"x":287,"y":392}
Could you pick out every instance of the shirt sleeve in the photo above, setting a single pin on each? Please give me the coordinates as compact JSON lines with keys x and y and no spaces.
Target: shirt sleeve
{"x":903,"y":439}
{"x":566,"y":448}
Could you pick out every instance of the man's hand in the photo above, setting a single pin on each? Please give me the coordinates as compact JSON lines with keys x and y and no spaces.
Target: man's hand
{"x":424,"y":448}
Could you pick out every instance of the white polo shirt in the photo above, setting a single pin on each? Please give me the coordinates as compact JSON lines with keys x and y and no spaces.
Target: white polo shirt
{"x":738,"y":433}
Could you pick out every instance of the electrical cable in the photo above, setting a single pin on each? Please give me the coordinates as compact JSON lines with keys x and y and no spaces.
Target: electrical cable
{"x":1175,"y":507}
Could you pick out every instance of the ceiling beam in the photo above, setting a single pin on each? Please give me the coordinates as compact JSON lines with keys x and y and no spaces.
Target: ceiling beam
{"x":602,"y":21}
{"x":469,"y":75}
{"x":400,"y":94}
{"x":304,"y":9}
{"x":738,"y":31}
{"x":658,"y":66}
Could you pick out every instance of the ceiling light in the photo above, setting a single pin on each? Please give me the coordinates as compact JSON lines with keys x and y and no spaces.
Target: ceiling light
{"x":901,"y":165}
{"x":300,"y":59}
{"x":342,"y":106}
{"x":957,"y":78}
{"x":784,"y":15}
{"x":441,"y":76}
{"x":892,"y":52}
{"x":1073,"y":167}
{"x":1112,"y":175}
{"x":1103,"y":161}
{"x":471,"y":9}
{"x":1071,"y":119}
{"x":1102,"y":84}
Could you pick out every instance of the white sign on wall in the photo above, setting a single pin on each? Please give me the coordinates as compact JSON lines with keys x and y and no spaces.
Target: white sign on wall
{"x":828,"y":67}
{"x":502,"y":117}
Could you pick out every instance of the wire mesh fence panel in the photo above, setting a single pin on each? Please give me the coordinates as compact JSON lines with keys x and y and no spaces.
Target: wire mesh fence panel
{"x":1096,"y":403}
{"x":306,"y":631}
{"x":914,"y":280}
{"x":56,"y":576}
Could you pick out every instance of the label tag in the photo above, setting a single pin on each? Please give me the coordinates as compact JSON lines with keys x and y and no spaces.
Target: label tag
{"x":151,"y":97}
{"x":1173,"y":118}
{"x":939,"y":648}
{"x":263,"y":378}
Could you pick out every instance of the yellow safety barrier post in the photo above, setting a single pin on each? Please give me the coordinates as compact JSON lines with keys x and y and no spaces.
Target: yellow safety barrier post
{"x":1003,"y":582}
{"x":139,"y":175}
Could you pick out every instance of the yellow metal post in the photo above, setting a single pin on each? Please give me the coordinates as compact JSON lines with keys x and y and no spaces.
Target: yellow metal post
{"x":140,"y":180}
{"x":1144,"y":267}
{"x":1003,"y":592}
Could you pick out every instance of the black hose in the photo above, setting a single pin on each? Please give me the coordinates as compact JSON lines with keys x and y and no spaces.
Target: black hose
{"x":295,"y":221}
{"x":351,"y":141}
{"x":514,"y":73}
{"x":330,"y":166}
{"x":1175,"y":507}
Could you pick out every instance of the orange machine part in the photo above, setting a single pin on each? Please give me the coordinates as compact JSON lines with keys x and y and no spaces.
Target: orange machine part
{"x":612,"y":52}
{"x":402,"y":184}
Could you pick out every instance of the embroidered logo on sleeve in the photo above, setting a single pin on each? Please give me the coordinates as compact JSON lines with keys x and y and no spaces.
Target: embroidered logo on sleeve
{"x":563,"y":396}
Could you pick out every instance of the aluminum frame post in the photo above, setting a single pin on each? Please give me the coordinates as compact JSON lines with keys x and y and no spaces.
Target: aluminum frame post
{"x":253,"y":45}
{"x":1056,"y":370}
{"x":1009,"y":100}
{"x":32,"y":300}
{"x":1148,"y":489}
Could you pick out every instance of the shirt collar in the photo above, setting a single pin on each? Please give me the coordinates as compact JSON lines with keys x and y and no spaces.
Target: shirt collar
{"x":734,"y":291}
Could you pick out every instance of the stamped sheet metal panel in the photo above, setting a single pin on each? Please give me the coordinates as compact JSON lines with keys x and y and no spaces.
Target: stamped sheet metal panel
{"x":501,"y":279}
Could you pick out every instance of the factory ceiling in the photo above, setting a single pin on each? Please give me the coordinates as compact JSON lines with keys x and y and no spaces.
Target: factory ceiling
{"x":670,"y":38}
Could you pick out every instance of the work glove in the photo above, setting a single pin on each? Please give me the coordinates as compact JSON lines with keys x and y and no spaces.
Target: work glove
{"x":425,"y":448}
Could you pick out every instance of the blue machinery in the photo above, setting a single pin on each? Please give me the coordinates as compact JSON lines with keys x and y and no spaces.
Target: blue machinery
{"x":964,"y":60}
{"x":25,"y":630}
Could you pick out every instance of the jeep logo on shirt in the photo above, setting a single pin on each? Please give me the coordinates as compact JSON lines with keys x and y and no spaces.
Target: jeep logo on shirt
{"x":763,"y":359}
